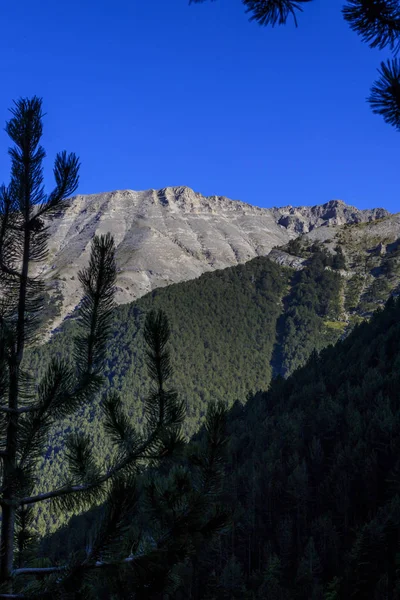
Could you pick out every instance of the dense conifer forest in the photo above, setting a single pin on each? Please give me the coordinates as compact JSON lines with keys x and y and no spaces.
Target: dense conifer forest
{"x":312,"y":478}
{"x":231,"y":331}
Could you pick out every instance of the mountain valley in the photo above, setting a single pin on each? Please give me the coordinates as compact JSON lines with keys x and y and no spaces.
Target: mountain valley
{"x":234,"y":329}
{"x":253,"y":297}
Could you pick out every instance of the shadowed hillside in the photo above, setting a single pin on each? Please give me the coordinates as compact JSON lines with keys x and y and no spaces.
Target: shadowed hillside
{"x":312,"y":478}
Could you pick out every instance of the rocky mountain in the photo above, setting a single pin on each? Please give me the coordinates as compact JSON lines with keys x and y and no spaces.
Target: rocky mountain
{"x":171,"y":235}
{"x":303,"y":219}
{"x":369,"y":255}
{"x":232,"y":329}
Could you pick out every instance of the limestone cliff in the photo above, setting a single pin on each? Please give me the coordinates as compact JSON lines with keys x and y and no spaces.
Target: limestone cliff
{"x":171,"y":235}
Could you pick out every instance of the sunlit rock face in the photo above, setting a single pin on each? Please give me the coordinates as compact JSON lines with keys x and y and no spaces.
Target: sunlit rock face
{"x":172,"y":235}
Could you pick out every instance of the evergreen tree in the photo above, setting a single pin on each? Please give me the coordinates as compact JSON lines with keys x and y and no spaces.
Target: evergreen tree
{"x":183,"y":506}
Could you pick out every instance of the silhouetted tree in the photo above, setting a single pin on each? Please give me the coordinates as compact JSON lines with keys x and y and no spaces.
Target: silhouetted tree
{"x":183,"y":505}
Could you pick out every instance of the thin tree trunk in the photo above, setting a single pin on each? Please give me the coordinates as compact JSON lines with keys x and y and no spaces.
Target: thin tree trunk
{"x":8,"y":512}
{"x":10,"y":459}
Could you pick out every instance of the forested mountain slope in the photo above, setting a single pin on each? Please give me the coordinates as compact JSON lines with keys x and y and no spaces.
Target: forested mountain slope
{"x":368,"y":255}
{"x":233,"y":328}
{"x":312,"y":476}
{"x":229,"y":330}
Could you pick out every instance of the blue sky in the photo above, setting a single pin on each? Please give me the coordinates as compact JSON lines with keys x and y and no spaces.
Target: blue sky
{"x":156,"y":93}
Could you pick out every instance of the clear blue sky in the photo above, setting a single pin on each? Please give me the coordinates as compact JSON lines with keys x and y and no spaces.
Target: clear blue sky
{"x":156,"y":93}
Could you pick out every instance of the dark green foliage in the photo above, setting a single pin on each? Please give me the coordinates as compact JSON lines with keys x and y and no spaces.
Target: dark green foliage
{"x":295,"y":247}
{"x":181,"y":506}
{"x":339,"y":261}
{"x":228,"y":335}
{"x":314,"y":299}
{"x":116,"y":422}
{"x":97,"y":280}
{"x":312,"y":483}
{"x":314,"y":476}
{"x":178,"y":514}
{"x":223,"y":329}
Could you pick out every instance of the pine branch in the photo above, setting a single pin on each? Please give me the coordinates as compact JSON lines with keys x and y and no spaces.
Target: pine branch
{"x":18,"y":411}
{"x":270,"y":12}
{"x":10,"y":228}
{"x":66,"y":175}
{"x":186,"y":511}
{"x":62,"y":568}
{"x":98,"y":281}
{"x":162,"y":407}
{"x":57,"y":396}
{"x":25,"y":537}
{"x":53,"y":393}
{"x":210,"y":460}
{"x":385,"y":93}
{"x":80,"y":458}
{"x":273,"y":12}
{"x":140,"y":454}
{"x":159,"y":445}
{"x":9,"y":271}
{"x":156,"y":335}
{"x":117,"y":424}
{"x":116,"y":518}
{"x":376,"y":21}
{"x":25,"y":129}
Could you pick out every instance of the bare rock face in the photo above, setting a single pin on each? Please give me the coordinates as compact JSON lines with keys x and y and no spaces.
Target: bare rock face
{"x":287,"y":260}
{"x":172,"y":235}
{"x":306,"y":218}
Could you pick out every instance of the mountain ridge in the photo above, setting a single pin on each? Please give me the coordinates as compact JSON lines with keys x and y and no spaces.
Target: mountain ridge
{"x":173,"y":234}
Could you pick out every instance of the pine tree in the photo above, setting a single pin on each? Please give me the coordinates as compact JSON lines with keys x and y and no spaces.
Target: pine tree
{"x":29,"y":409}
{"x":378,"y":24}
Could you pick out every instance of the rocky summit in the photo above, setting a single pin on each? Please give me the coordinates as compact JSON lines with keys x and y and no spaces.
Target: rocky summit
{"x":171,"y":235}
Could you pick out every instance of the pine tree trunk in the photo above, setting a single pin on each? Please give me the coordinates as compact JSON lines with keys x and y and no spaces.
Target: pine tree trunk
{"x":8,"y":512}
{"x":10,"y":460}
{"x":7,"y":535}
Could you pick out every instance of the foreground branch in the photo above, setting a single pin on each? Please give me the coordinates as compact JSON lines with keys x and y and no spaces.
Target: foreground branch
{"x":63,"y":491}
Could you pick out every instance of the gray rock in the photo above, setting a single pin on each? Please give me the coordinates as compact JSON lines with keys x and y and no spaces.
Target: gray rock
{"x":174,"y":234}
{"x":287,"y":260}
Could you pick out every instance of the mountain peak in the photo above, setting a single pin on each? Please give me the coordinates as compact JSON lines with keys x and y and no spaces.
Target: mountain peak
{"x":174,"y":234}
{"x":336,"y":202}
{"x":302,"y":219}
